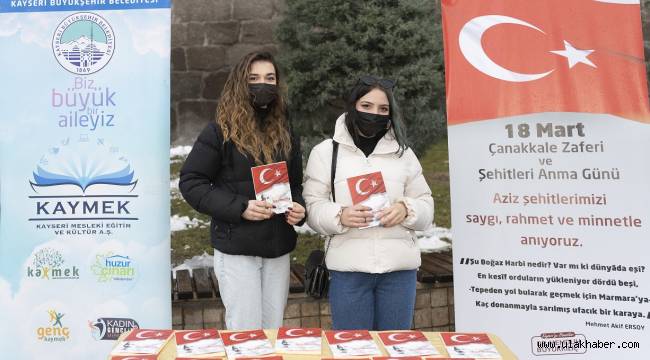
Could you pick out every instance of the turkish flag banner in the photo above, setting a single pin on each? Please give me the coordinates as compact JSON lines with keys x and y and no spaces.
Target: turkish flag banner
{"x":369,"y":190}
{"x":143,"y":341}
{"x":246,"y":344}
{"x":513,"y":57}
{"x":271,"y":183}
{"x":407,"y":343}
{"x":199,"y":342}
{"x":299,"y":341}
{"x":549,"y":135}
{"x":351,"y":343}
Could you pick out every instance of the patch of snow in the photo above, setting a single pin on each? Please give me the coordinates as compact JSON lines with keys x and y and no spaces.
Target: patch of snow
{"x":196,"y":262}
{"x":180,"y":151}
{"x":304,"y":229}
{"x":430,"y":240}
{"x":179,"y":223}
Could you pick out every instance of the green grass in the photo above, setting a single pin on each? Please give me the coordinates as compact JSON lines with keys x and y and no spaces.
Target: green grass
{"x":435,"y":167}
{"x":188,"y":243}
{"x":191,"y":242}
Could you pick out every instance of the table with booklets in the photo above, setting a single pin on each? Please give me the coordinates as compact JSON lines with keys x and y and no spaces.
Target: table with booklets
{"x":306,"y":344}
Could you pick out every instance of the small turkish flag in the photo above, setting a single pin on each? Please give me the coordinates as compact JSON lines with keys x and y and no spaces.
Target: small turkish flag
{"x":189,"y":336}
{"x":148,"y":334}
{"x":455,"y":339}
{"x":289,"y":333}
{"x":364,"y":186}
{"x":234,"y":338}
{"x":265,"y":176}
{"x":398,"y":337}
{"x":339,"y":337}
{"x":513,"y":57}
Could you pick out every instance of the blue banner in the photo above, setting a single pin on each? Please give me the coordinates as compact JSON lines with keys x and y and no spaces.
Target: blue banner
{"x":84,"y":177}
{"x":7,"y":6}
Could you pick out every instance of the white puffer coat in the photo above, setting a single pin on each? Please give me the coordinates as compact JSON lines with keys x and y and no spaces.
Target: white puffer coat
{"x":378,"y":249}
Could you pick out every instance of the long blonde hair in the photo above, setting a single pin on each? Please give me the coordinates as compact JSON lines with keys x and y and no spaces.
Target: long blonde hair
{"x":236,"y":117}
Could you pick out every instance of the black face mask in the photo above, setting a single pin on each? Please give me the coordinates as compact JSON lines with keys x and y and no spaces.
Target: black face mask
{"x":369,"y":125}
{"x":262,"y":94}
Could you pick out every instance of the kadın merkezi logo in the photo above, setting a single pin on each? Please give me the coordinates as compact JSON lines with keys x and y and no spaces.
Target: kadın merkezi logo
{"x":83,"y":43}
{"x":111,"y":328}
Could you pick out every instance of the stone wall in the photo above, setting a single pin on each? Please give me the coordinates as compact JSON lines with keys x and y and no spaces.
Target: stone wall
{"x":208,"y":37}
{"x":434,"y":311}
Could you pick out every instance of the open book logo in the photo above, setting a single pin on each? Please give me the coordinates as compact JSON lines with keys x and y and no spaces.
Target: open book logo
{"x":74,"y":166}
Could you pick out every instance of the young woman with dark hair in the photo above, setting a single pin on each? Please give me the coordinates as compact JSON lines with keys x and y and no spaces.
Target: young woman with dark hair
{"x":251,"y":243}
{"x":372,"y":270}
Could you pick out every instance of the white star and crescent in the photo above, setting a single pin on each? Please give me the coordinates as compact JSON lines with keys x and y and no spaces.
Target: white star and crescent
{"x":470,"y":38}
{"x":142,"y":334}
{"x":357,"y":187}
{"x":262,"y":179}
{"x":189,"y":336}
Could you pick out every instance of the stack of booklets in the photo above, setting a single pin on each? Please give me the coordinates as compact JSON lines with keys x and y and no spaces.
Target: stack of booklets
{"x":139,"y":342}
{"x":271,"y":184}
{"x":369,"y":190}
{"x":407,"y":343}
{"x":351,"y":343}
{"x":298,"y":341}
{"x":199,"y":344}
{"x":469,"y":345}
{"x":244,"y":344}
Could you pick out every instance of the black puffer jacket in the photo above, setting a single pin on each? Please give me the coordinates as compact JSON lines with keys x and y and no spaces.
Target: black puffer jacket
{"x":216,"y":180}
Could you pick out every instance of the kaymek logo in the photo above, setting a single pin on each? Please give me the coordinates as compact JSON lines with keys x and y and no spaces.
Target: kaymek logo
{"x":83,"y":179}
{"x":110,"y":267}
{"x":48,"y":264}
{"x":56,"y":331}
{"x":83,"y":43}
{"x":111,"y":328}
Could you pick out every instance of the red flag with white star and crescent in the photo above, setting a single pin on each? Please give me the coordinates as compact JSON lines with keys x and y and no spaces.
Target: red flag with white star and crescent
{"x":513,"y":57}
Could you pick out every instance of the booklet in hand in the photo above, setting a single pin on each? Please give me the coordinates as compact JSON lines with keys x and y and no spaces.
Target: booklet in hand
{"x":271,"y":183}
{"x":369,"y":190}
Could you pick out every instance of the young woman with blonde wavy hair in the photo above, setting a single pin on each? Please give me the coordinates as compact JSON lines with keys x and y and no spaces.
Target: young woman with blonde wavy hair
{"x":251,"y":243}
